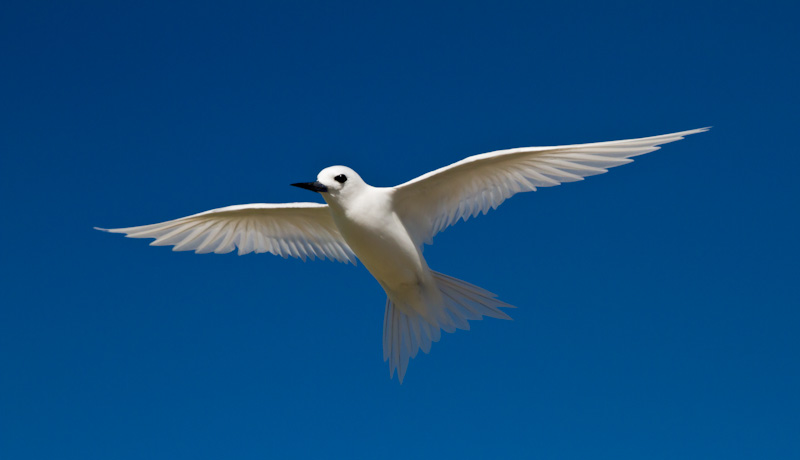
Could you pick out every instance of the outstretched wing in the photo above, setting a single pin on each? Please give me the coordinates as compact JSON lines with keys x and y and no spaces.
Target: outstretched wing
{"x":434,"y":201}
{"x":304,"y":230}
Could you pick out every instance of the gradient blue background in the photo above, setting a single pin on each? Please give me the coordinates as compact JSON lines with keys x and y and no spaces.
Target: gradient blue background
{"x":658,"y":303}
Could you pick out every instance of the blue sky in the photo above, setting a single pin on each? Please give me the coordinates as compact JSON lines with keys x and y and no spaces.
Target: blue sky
{"x":658,"y":306}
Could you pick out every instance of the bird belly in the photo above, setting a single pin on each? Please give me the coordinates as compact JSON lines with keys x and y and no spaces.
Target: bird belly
{"x":385,"y":248}
{"x":396,"y":263}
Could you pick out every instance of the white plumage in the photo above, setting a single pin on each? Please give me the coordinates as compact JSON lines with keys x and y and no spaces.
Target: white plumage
{"x":303,"y":230}
{"x":386,"y":227}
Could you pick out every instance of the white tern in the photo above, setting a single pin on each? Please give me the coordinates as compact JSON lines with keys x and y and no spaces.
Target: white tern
{"x":386,"y":228}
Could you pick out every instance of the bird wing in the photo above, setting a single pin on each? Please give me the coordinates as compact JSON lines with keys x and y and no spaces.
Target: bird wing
{"x":434,"y":201}
{"x":304,"y":230}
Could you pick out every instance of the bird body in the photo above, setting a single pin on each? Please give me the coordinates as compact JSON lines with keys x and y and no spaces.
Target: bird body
{"x":375,"y":233}
{"x":387,"y":227}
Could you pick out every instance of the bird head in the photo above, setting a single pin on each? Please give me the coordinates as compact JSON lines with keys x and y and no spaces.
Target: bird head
{"x":335,"y":182}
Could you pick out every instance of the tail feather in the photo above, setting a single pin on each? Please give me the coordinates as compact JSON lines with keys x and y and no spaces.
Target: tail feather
{"x":404,"y":334}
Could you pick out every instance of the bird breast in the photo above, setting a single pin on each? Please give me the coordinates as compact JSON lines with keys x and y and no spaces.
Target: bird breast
{"x":378,"y":237}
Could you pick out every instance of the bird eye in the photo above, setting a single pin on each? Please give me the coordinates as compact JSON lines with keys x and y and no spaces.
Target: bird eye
{"x":340,"y":178}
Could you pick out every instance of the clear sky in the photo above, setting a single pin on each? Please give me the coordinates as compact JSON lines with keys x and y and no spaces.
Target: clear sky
{"x":658,"y":304}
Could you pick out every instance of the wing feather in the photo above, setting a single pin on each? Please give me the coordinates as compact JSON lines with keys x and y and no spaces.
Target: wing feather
{"x":302,"y":230}
{"x":436,"y":200}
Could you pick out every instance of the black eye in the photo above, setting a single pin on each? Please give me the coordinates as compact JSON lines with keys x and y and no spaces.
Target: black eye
{"x":341,"y":178}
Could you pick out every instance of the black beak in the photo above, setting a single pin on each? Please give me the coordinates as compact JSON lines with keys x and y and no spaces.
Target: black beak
{"x":315,"y":186}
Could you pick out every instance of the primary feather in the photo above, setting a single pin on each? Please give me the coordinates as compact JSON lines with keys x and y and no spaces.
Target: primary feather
{"x":436,"y":200}
{"x":302,"y":230}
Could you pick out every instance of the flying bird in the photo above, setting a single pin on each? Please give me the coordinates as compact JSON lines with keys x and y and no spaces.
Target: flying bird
{"x":387,"y":227}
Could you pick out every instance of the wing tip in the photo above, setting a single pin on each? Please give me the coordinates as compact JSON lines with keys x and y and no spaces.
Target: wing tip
{"x":695,"y":131}
{"x":112,"y":230}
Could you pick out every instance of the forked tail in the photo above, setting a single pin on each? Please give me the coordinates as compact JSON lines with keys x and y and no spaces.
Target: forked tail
{"x":405,"y":334}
